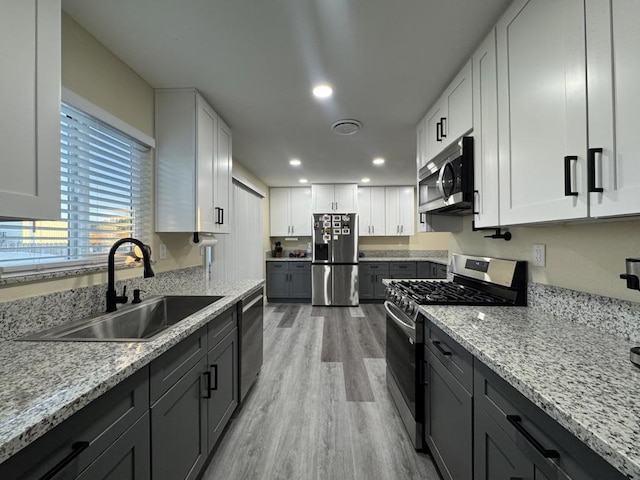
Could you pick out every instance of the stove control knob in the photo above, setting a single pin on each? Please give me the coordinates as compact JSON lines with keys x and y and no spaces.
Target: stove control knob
{"x":411,"y":308}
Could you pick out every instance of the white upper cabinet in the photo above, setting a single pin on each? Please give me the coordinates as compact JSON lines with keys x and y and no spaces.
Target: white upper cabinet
{"x":421,"y":144}
{"x":223,"y":178}
{"x":399,"y":211}
{"x":30,"y":98}
{"x":613,"y":70}
{"x":193,"y":164}
{"x":290,"y":211}
{"x":542,"y":111}
{"x":485,"y":134}
{"x":451,"y":116}
{"x":371,"y":211}
{"x":341,"y":198}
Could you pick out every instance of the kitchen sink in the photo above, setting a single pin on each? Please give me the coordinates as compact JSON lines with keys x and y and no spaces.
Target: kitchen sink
{"x":133,"y":323}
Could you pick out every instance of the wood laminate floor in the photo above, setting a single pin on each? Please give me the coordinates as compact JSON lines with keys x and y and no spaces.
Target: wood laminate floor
{"x":320,"y":407}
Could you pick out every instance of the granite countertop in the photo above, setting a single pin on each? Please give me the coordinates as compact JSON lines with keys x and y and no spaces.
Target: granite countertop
{"x":440,"y":260}
{"x":288,"y":259}
{"x":44,"y":383}
{"x":580,"y":376}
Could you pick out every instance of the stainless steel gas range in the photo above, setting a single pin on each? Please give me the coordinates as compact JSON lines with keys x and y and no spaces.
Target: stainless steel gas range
{"x":476,"y":281}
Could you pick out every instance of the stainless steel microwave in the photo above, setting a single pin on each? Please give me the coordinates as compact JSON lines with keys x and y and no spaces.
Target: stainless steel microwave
{"x":445,"y":185}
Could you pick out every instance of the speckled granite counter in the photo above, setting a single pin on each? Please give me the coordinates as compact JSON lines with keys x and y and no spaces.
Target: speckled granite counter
{"x":44,"y":383}
{"x":440,"y":260}
{"x":580,"y":376}
{"x":288,"y":259}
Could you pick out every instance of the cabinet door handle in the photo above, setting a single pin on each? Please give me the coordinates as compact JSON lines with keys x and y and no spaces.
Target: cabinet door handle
{"x":207,"y":375}
{"x":442,"y":125}
{"x":515,"y":421}
{"x":222,"y":216}
{"x":292,"y":229}
{"x":567,"y":176}
{"x":439,"y":347}
{"x":420,"y":218}
{"x":401,"y":228}
{"x":76,"y":449}
{"x":438,"y":132}
{"x":591,"y":169}
{"x":373,"y":229}
{"x":215,"y":378}
{"x":336,"y":205}
{"x":474,"y":210}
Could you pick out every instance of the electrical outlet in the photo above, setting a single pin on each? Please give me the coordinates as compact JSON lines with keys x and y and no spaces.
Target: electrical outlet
{"x":163,"y":252}
{"x":538,"y":255}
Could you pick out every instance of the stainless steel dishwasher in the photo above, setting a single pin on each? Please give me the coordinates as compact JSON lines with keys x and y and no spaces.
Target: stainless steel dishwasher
{"x":251,"y":324}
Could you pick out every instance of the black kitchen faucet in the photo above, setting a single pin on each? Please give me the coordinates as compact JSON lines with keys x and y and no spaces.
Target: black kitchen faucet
{"x":112,"y":298}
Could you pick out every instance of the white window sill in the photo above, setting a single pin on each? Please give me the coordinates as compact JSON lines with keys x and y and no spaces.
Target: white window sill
{"x":60,"y":272}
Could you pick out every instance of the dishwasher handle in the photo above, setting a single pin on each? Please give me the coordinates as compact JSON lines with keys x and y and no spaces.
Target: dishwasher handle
{"x":255,"y":300}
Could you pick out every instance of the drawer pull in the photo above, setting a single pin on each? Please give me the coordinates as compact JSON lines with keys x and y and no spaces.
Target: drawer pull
{"x":215,"y":378}
{"x":76,"y":449}
{"x":515,"y":421}
{"x":208,"y":387}
{"x":439,"y":347}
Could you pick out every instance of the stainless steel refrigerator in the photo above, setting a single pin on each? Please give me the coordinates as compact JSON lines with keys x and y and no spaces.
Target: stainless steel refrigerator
{"x":334,"y":267}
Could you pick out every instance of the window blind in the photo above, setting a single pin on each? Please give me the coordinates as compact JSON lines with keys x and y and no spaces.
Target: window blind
{"x":105,"y":179}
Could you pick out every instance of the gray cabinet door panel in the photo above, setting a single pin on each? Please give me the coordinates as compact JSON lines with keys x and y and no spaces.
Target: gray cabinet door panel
{"x":167,"y":369}
{"x":223,"y":364}
{"x":366,"y":285}
{"x":179,"y":428}
{"x":128,"y":458}
{"x":448,"y":425}
{"x":496,"y":456}
{"x":300,"y":281}
{"x":100,"y":423}
{"x":277,"y":276}
{"x":459,"y":361}
{"x":403,"y":269}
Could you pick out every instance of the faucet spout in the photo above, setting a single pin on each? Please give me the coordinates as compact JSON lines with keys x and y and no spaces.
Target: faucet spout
{"x":112,"y":298}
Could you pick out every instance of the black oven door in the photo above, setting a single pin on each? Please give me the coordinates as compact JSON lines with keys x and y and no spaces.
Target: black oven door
{"x":401,"y":353}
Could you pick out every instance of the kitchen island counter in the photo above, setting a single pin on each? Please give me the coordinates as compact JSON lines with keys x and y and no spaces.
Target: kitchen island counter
{"x":44,"y":383}
{"x":577,"y":374}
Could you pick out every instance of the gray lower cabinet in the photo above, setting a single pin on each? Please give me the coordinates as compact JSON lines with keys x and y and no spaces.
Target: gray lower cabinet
{"x":289,"y":280}
{"x":370,"y":280}
{"x":402,"y":270}
{"x":106,"y":435}
{"x":513,"y":438}
{"x":126,"y":459}
{"x":448,"y":421}
{"x":222,"y":362}
{"x":431,"y":270}
{"x":179,"y":427}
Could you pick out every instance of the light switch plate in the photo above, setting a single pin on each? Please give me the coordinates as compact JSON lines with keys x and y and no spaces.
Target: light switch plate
{"x":538,"y":255}
{"x":163,"y":252}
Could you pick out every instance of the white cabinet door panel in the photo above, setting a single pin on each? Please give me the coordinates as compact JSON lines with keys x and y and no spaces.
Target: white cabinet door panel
{"x":280,"y":212}
{"x":542,"y":110}
{"x":30,"y":97}
{"x":485,"y":133}
{"x":301,"y":217}
{"x":613,"y":36}
{"x":223,"y":175}
{"x":459,"y":103}
{"x":346,"y":198}
{"x":205,"y":177}
{"x":378,"y":211}
{"x":322,"y":198}
{"x":406,"y":214}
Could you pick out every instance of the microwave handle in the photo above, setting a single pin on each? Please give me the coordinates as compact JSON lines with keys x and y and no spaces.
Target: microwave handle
{"x":440,"y":177}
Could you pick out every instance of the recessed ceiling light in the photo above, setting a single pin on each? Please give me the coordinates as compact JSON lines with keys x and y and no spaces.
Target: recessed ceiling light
{"x":322,"y":91}
{"x":295,"y":162}
{"x":378,"y":161}
{"x":366,"y":180}
{"x":303,"y":180}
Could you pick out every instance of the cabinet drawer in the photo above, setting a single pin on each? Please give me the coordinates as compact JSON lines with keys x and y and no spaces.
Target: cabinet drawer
{"x":374,"y":267}
{"x":167,"y":369}
{"x":496,"y":398}
{"x":403,"y":268}
{"x":99,"y":424}
{"x":300,"y":267}
{"x":276,"y":266}
{"x":219,"y":327}
{"x":452,"y":355}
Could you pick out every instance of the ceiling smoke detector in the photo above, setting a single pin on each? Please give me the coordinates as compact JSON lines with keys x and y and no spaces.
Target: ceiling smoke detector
{"x":346,"y":127}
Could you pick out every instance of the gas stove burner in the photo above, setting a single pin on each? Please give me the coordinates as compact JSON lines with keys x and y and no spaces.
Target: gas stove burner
{"x":446,"y":293}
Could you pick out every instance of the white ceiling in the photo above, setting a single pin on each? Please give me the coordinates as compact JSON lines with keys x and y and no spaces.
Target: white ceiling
{"x":256,"y":61}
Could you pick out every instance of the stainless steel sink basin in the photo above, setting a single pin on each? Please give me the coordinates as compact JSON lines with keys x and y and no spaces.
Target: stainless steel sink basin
{"x":132,"y":323}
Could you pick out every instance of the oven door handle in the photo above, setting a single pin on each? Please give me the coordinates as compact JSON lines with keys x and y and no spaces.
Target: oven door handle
{"x":410,"y":330}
